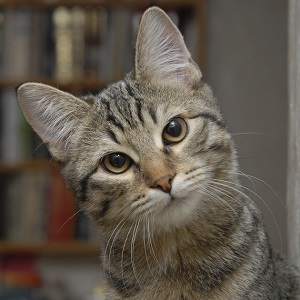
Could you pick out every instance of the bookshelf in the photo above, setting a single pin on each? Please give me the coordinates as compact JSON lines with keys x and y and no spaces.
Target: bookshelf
{"x":43,"y":4}
{"x":26,"y":216}
{"x":90,"y":83}
{"x":53,"y":248}
{"x":86,"y":82}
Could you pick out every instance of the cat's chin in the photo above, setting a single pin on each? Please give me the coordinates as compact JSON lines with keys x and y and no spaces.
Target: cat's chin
{"x":177,"y":211}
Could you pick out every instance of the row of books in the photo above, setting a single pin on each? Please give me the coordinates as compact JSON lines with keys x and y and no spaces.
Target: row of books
{"x":18,"y":141}
{"x":72,"y":43}
{"x":36,"y":206}
{"x":64,"y":43}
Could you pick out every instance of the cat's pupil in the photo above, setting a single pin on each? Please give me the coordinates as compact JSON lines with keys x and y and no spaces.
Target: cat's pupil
{"x":117,"y":160}
{"x":174,"y":128}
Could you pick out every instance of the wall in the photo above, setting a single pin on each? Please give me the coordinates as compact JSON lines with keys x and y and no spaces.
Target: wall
{"x":293,"y":186}
{"x":246,"y":67}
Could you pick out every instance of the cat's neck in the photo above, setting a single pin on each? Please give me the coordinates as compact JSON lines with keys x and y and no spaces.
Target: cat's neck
{"x":209,"y":248}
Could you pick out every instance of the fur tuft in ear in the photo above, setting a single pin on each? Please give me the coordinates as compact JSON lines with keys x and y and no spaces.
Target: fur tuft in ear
{"x":161,"y":53}
{"x":53,"y":114}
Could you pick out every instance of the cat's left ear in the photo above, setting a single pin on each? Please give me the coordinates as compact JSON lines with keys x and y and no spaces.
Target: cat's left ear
{"x":161,"y":53}
{"x":54,"y":115}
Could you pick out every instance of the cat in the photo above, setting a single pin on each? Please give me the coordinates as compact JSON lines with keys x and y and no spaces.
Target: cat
{"x":151,"y":162}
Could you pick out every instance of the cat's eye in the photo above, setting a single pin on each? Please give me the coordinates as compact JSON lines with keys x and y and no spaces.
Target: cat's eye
{"x":175,"y":131}
{"x":116,"y":163}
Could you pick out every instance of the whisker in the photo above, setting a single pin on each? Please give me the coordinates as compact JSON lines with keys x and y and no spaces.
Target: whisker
{"x":122,"y":257}
{"x":250,"y":133}
{"x":250,"y":177}
{"x":219,"y":182}
{"x":69,"y":219}
{"x":36,"y":148}
{"x":134,"y":234}
{"x":219,"y":190}
{"x":112,"y":234}
{"x":145,"y":248}
{"x":152,"y":248}
{"x":252,"y":182}
{"x":111,"y":247}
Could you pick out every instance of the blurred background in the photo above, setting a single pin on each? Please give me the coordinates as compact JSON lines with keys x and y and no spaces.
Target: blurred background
{"x":80,"y":47}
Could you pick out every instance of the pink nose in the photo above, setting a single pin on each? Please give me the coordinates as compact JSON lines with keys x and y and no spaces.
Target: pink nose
{"x":164,"y":183}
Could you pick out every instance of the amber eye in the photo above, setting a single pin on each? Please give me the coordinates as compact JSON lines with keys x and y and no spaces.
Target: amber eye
{"x":116,"y":163}
{"x":175,"y":131}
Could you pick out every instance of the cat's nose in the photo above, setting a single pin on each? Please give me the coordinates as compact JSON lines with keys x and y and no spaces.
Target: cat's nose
{"x":164,"y":183}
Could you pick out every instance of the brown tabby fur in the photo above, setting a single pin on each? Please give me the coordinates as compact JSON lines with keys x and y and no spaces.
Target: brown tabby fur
{"x":203,"y":239}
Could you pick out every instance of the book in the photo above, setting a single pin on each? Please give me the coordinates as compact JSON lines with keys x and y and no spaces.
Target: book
{"x":2,"y":45}
{"x":10,"y":128}
{"x":38,"y":207}
{"x":24,"y":206}
{"x":47,"y":68}
{"x":39,"y":36}
{"x":118,"y":33}
{"x":92,"y":41}
{"x":12,"y":207}
{"x":63,"y":44}
{"x":61,"y":210}
{"x":17,"y":48}
{"x":78,"y":41}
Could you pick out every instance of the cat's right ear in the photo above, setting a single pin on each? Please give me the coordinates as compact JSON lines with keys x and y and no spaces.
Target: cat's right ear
{"x":53,"y":114}
{"x":161,"y":53}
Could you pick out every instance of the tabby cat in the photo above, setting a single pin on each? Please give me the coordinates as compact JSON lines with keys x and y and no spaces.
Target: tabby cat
{"x":150,"y":160}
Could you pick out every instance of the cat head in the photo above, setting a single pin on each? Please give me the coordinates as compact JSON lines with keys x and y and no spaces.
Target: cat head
{"x":148,"y":145}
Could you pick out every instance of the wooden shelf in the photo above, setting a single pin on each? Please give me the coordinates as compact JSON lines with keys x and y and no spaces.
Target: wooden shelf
{"x":50,"y":248}
{"x":89,"y":83}
{"x":35,"y":165}
{"x":44,"y":4}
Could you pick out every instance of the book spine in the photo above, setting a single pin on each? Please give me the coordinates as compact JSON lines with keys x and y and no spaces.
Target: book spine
{"x":61,"y":211}
{"x":2,"y":45}
{"x":78,"y":41}
{"x":16,"y":37}
{"x":11,"y":120}
{"x":63,"y":44}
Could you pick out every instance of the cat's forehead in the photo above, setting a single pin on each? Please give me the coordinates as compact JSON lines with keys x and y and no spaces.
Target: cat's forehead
{"x":126,"y":108}
{"x":132,"y":102}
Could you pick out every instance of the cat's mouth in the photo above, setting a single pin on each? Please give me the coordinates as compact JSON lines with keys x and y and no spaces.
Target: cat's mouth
{"x":182,"y":201}
{"x":176,"y":211}
{"x":176,"y":200}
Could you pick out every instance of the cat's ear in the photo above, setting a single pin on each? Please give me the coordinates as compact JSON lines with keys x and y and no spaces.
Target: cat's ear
{"x":54,"y":115}
{"x":161,"y":53}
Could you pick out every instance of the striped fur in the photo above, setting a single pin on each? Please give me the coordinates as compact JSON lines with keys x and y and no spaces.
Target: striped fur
{"x":202,"y":240}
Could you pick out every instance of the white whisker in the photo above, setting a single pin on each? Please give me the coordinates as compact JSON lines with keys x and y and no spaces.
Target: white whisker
{"x":224,"y":183}
{"x":122,"y":256}
{"x":133,"y":238}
